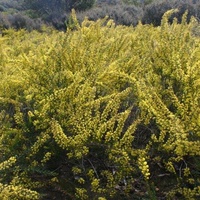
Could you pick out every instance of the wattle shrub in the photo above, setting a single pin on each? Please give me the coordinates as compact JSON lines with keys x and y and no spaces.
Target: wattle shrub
{"x":100,"y":112}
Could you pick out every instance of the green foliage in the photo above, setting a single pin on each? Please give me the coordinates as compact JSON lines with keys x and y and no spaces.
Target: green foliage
{"x":100,"y":112}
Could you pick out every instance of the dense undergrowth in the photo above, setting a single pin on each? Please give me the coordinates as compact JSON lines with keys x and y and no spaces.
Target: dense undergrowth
{"x":101,"y":112}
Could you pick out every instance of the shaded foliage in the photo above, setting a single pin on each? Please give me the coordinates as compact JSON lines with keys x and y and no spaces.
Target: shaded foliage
{"x":153,"y":13}
{"x":19,"y":21}
{"x":120,"y":14}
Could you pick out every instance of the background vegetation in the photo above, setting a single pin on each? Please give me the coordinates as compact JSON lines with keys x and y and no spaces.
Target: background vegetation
{"x":34,"y":14}
{"x":101,"y":111}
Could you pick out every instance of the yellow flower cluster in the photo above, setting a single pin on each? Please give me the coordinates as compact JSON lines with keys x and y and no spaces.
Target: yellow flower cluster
{"x":39,"y":143}
{"x":81,"y":193}
{"x":58,"y":135}
{"x":46,"y":157}
{"x":95,"y":184}
{"x":8,"y":192}
{"x":190,"y":194}
{"x":8,"y":163}
{"x":170,"y":167}
{"x":144,"y":167}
